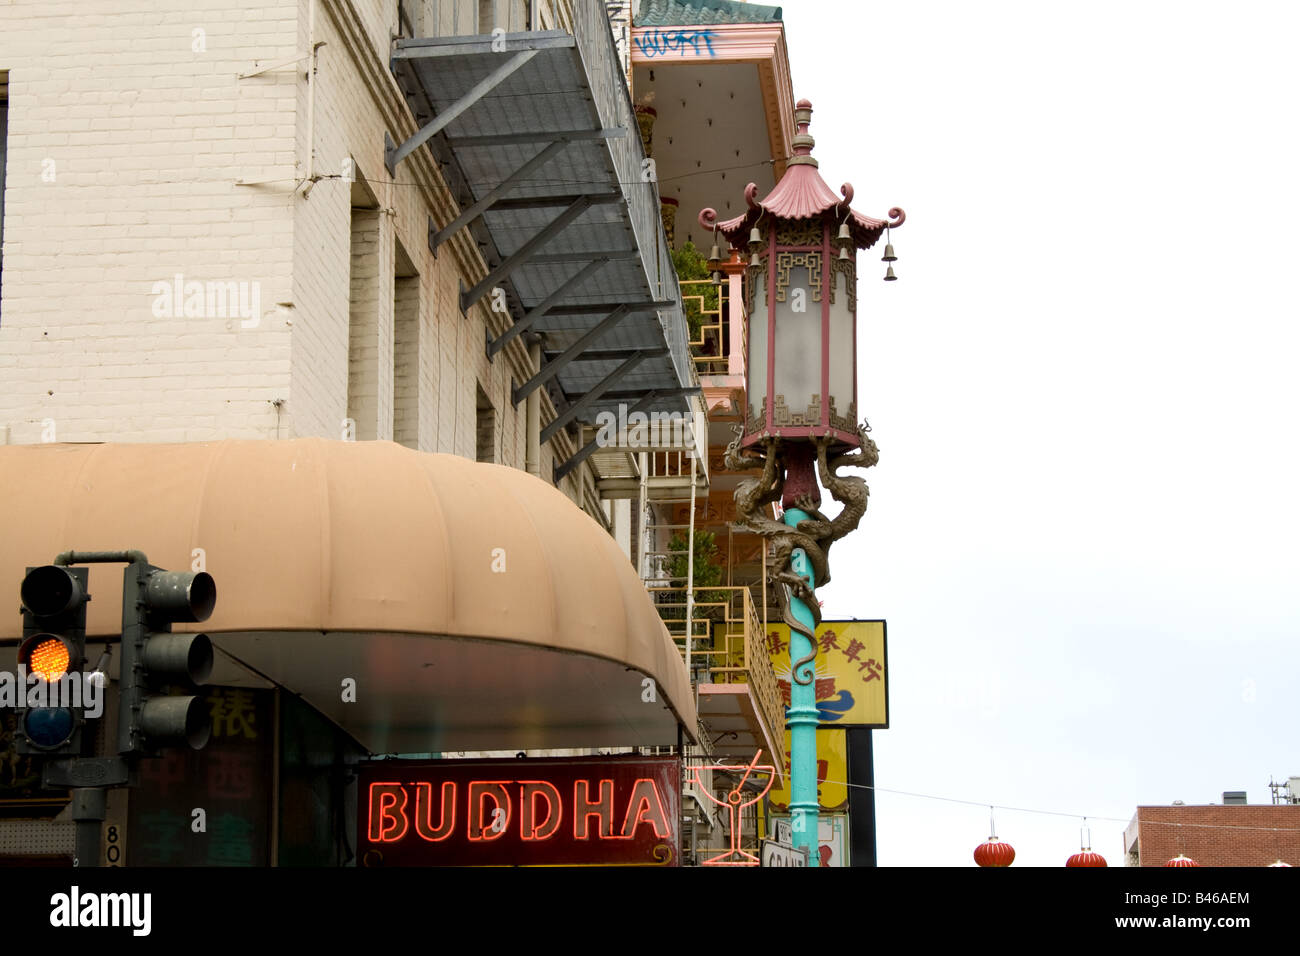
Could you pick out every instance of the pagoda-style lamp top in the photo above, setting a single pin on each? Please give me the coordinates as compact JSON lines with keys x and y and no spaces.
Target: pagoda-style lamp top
{"x":801,"y":299}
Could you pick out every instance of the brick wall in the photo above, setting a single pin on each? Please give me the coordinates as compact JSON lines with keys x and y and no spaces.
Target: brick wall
{"x":128,"y":132}
{"x":137,"y":154}
{"x":1220,"y":835}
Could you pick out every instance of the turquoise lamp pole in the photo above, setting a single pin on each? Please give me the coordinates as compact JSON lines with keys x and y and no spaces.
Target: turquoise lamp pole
{"x":801,"y":716}
{"x":801,"y":415}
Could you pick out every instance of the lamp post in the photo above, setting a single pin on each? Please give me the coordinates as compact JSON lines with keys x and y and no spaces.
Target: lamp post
{"x":802,"y":417}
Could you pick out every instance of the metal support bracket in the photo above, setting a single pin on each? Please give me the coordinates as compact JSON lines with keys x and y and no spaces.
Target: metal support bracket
{"x":86,"y":772}
{"x":394,"y":154}
{"x":471,"y":213}
{"x":525,"y":252}
{"x":539,"y":310}
{"x":553,"y":367}
{"x":277,"y":64}
{"x":597,"y":390}
{"x":559,"y":472}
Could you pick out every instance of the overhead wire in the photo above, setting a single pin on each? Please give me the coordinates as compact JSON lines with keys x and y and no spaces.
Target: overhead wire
{"x":1056,"y":813}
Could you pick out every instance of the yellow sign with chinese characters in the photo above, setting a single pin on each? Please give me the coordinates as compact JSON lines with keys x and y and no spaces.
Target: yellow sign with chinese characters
{"x":832,"y":772}
{"x":851,"y":671}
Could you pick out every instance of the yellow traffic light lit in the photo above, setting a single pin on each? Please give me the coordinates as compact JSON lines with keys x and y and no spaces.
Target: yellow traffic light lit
{"x":49,"y":658}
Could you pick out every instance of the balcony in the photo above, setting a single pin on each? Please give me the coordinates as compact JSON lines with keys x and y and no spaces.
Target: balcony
{"x":720,"y":635}
{"x":710,"y":342}
{"x":535,"y":133}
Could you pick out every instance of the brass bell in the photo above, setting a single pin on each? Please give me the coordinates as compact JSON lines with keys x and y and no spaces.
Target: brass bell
{"x":755,"y":238}
{"x":844,"y":235}
{"x":889,"y":276}
{"x":889,"y":253}
{"x":753,"y":260}
{"x":715,"y":257}
{"x":844,"y":254}
{"x":717,"y":278}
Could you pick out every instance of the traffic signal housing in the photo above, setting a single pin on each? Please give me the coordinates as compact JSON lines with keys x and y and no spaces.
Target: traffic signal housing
{"x":154,"y":660}
{"x":53,"y":652}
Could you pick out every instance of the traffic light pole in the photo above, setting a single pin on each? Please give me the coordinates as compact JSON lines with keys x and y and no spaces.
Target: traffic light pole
{"x":68,"y":558}
{"x":89,"y":807}
{"x":89,"y":804}
{"x":168,"y":596}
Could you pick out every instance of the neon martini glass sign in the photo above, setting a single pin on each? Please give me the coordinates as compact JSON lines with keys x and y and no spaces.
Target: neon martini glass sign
{"x":735,"y":802}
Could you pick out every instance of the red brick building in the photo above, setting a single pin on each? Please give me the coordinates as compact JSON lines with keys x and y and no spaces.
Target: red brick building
{"x":1214,"y":835}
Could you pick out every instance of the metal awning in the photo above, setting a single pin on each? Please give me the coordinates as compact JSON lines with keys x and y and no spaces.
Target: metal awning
{"x":537,"y":133}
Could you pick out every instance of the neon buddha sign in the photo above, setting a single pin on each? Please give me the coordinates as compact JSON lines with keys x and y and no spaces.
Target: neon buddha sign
{"x":521,"y":812}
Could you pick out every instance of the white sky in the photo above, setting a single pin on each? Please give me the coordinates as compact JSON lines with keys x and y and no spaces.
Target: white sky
{"x":1083,"y":527}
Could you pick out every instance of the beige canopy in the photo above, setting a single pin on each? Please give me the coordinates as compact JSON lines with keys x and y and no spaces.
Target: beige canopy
{"x":473,"y":605}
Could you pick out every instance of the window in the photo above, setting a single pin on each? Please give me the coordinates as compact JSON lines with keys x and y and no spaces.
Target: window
{"x":487,"y":428}
{"x":363,"y":315}
{"x":406,"y":351}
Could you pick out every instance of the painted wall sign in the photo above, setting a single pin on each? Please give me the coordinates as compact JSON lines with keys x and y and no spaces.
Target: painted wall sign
{"x":852,"y":681}
{"x":575,"y":811}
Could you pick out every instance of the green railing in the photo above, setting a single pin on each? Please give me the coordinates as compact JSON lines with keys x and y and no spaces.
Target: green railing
{"x":709,"y":345}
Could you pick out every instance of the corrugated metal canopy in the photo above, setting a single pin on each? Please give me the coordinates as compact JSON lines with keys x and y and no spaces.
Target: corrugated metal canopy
{"x":560,"y":89}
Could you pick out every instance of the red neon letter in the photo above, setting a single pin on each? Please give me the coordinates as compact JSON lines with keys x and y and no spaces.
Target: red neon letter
{"x":645,"y":802}
{"x":488,"y":826}
{"x":529,"y":828}
{"x":387,"y":812}
{"x":424,"y":811}
{"x":602,"y":809}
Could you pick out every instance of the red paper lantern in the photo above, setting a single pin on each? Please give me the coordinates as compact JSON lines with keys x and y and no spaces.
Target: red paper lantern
{"x":994,"y":853}
{"x":1086,"y":858}
{"x":1181,"y":860}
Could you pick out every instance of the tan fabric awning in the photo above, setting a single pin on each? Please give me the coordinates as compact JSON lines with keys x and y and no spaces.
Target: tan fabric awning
{"x":372,"y":561}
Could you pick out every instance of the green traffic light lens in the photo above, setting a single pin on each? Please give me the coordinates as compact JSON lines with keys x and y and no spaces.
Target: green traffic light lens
{"x":48,"y":727}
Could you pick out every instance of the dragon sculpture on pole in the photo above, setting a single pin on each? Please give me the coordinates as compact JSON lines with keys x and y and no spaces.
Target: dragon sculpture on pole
{"x":814,"y":535}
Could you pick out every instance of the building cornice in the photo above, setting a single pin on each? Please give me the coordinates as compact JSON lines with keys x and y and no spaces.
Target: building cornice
{"x":762,"y":44}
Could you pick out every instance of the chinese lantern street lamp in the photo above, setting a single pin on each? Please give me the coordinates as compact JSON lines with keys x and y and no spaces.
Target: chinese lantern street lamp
{"x":802,"y":417}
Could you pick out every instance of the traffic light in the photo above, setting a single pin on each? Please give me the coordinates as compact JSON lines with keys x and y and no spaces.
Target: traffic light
{"x":52,"y":654}
{"x":154,"y":659}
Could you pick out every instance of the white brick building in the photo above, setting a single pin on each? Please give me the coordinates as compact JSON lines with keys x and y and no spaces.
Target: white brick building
{"x":200,"y":148}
